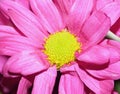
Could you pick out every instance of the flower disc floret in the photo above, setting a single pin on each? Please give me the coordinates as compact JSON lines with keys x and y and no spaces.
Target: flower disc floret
{"x":60,"y":48}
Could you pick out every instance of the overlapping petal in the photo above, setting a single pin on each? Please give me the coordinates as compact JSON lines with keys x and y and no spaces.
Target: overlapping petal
{"x":64,"y":6}
{"x":70,"y":83}
{"x":44,"y":82}
{"x":112,"y":72}
{"x":24,"y":85}
{"x":96,"y":85}
{"x":51,"y":18}
{"x":94,"y":56}
{"x":110,"y":8}
{"x":3,"y":60}
{"x":28,"y":24}
{"x":94,"y":29}
{"x":114,"y":49}
{"x":25,"y":3}
{"x":25,"y":63}
{"x":102,"y":3}
{"x":79,"y":12}
{"x":11,"y":45}
{"x":7,"y":31}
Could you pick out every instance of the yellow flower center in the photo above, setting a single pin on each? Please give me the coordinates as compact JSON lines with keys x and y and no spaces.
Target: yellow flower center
{"x":60,"y":48}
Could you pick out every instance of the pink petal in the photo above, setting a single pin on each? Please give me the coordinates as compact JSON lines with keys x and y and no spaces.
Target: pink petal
{"x":70,"y":82}
{"x":112,"y":72}
{"x":64,"y":7}
{"x":25,"y":3}
{"x":114,"y":49}
{"x":25,"y":63}
{"x":79,"y":12}
{"x":110,"y":9}
{"x":48,"y":14}
{"x":28,"y":24}
{"x":24,"y":85}
{"x":44,"y":82}
{"x":3,"y":19}
{"x":114,"y":43}
{"x":94,"y":29}
{"x":7,"y":31}
{"x":116,"y":28}
{"x":96,"y":55}
{"x":3,"y":60}
{"x":118,"y":1}
{"x":97,"y":86}
{"x":114,"y":54}
{"x":102,"y":3}
{"x":10,"y":45}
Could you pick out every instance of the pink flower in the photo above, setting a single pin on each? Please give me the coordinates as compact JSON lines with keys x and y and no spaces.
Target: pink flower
{"x":58,"y":35}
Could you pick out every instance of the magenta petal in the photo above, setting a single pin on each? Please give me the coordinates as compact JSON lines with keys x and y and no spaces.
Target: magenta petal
{"x":64,"y":7}
{"x":4,"y":20}
{"x":48,"y":14}
{"x":25,"y":3}
{"x":10,"y":45}
{"x":70,"y":82}
{"x":112,"y":72}
{"x":114,"y":53}
{"x":118,"y":1}
{"x":97,"y":86}
{"x":109,"y":9}
{"x":102,"y":3}
{"x":97,"y":55}
{"x":3,"y":60}
{"x":116,"y":27}
{"x":114,"y":44}
{"x":24,"y":85}
{"x":79,"y":12}
{"x":28,"y":24}
{"x":25,"y":63}
{"x":7,"y":31}
{"x":95,"y":29}
{"x":114,"y":49}
{"x":44,"y":82}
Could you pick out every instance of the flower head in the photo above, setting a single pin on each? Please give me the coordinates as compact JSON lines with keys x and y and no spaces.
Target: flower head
{"x":57,"y":34}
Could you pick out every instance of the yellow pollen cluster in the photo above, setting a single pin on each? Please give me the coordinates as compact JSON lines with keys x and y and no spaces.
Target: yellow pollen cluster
{"x":60,"y":48}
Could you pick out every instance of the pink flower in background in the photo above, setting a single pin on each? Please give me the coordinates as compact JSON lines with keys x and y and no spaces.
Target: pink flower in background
{"x":59,"y":35}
